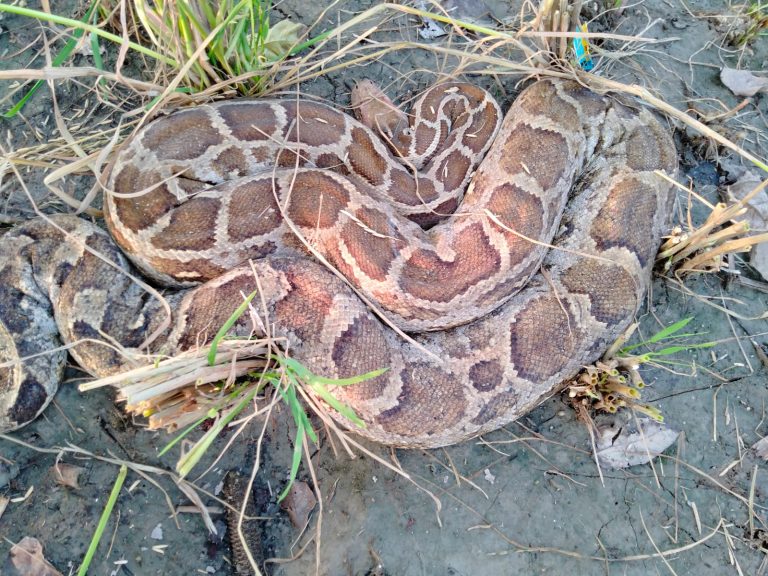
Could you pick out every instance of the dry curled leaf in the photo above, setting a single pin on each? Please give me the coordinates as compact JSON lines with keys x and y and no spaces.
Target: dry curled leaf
{"x":761,"y":448}
{"x":281,"y":38}
{"x":756,"y":215}
{"x":67,"y":474}
{"x":26,"y":559}
{"x":299,"y":503}
{"x":633,"y":444}
{"x":743,"y":82}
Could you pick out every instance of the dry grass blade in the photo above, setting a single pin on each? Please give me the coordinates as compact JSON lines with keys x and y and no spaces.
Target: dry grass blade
{"x":598,"y":83}
{"x":552,"y":27}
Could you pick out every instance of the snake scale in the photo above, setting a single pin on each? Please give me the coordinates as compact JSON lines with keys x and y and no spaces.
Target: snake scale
{"x":510,"y":271}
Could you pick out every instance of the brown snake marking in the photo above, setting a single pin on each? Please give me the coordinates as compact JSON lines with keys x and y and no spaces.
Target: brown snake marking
{"x":222,"y":175}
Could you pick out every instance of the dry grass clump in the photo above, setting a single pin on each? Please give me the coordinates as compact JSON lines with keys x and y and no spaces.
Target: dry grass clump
{"x":744,"y":23}
{"x":706,"y":248}
{"x":611,"y":385}
{"x":175,"y":392}
{"x":555,"y":19}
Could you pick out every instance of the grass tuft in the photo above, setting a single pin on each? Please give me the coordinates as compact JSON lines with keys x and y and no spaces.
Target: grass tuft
{"x":243,"y":39}
{"x":218,"y":382}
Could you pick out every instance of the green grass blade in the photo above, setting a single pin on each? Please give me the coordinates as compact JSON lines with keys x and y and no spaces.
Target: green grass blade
{"x":305,"y":374}
{"x":297,"y":411}
{"x":98,"y":62}
{"x":78,"y":25}
{"x":681,"y":348}
{"x":234,"y":43}
{"x":101,"y":526}
{"x":318,"y":385}
{"x":141,"y":12}
{"x":337,"y":405}
{"x":351,"y":380}
{"x":303,"y":426}
{"x":212,"y":17}
{"x":58,"y":60}
{"x":181,"y":435}
{"x":669,"y":330}
{"x":191,"y":458}
{"x":661,"y":334}
{"x":298,"y":447}
{"x":311,"y":42}
{"x":227,"y":325}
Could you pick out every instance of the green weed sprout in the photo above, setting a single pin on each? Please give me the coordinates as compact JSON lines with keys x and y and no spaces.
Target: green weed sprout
{"x":286,"y":376}
{"x":756,"y":24}
{"x":102,"y":525}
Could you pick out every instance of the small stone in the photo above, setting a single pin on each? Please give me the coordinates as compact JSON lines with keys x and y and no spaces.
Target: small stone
{"x":157,"y":532}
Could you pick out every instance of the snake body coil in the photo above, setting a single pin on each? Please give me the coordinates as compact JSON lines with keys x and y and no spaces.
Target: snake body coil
{"x":197,"y":193}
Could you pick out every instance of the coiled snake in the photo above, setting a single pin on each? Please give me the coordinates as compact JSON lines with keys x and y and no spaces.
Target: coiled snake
{"x":471,"y":275}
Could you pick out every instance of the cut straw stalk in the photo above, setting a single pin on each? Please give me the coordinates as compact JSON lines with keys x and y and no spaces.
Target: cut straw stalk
{"x":732,"y":246}
{"x":702,"y":237}
{"x":228,"y":350}
{"x":179,"y":390}
{"x":141,"y":392}
{"x":681,"y":251}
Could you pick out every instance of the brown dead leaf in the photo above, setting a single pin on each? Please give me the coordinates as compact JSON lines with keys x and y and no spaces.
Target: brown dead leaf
{"x":743,"y":82}
{"x":299,"y":503}
{"x":26,"y":559}
{"x":629,"y":445}
{"x":67,"y":474}
{"x":761,"y":448}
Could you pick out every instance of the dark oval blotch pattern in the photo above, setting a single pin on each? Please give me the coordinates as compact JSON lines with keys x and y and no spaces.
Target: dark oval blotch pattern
{"x":486,"y":375}
{"x":430,"y":400}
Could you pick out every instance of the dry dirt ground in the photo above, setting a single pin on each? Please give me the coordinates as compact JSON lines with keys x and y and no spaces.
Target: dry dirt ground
{"x":526,"y":499}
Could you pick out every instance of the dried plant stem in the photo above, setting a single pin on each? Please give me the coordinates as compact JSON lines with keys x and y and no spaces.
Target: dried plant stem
{"x":732,"y":246}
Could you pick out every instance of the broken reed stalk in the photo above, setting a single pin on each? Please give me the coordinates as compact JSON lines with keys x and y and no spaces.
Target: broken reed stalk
{"x":178,"y":391}
{"x":703,"y":249}
{"x":559,"y":18}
